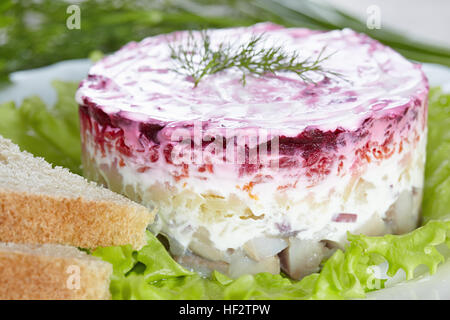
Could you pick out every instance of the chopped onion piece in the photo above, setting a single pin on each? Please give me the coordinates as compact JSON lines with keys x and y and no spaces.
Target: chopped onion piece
{"x":201,"y":245}
{"x":345,"y":217}
{"x":264,"y":247}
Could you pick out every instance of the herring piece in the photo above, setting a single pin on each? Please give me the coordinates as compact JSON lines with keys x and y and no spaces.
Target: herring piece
{"x":302,"y":257}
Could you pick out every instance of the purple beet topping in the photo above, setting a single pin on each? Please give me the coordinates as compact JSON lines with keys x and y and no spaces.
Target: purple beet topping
{"x":139,"y":79}
{"x":95,"y":112}
{"x":309,"y":141}
{"x":150,"y":131}
{"x":118,"y":119}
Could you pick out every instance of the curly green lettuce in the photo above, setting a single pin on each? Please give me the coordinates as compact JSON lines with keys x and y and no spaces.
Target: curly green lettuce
{"x":436,"y":198}
{"x":151,"y":273}
{"x":49,"y":132}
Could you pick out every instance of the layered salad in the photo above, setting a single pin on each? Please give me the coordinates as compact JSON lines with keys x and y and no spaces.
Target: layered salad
{"x":267,"y":172}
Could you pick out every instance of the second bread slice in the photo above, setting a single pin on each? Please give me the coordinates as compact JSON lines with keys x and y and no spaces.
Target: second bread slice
{"x":51,"y":271}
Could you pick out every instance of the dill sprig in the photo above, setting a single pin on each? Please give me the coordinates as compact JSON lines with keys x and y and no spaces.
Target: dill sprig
{"x":198,"y":59}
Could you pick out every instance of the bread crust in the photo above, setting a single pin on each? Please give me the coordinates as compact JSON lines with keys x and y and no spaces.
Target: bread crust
{"x":38,"y":218}
{"x":28,"y":276}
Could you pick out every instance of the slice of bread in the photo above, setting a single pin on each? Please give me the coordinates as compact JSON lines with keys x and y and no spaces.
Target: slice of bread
{"x":51,"y":271}
{"x":41,"y":204}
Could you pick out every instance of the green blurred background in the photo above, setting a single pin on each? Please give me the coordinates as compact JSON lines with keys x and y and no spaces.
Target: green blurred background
{"x":34,"y":33}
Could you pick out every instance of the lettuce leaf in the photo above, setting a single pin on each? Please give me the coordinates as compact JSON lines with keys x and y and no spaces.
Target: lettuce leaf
{"x":51,"y":133}
{"x":151,"y":273}
{"x":436,"y":198}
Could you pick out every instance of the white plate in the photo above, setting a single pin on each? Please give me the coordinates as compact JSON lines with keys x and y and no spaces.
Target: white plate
{"x":38,"y":82}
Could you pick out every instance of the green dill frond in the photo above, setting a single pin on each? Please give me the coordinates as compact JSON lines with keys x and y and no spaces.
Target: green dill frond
{"x":198,"y":59}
